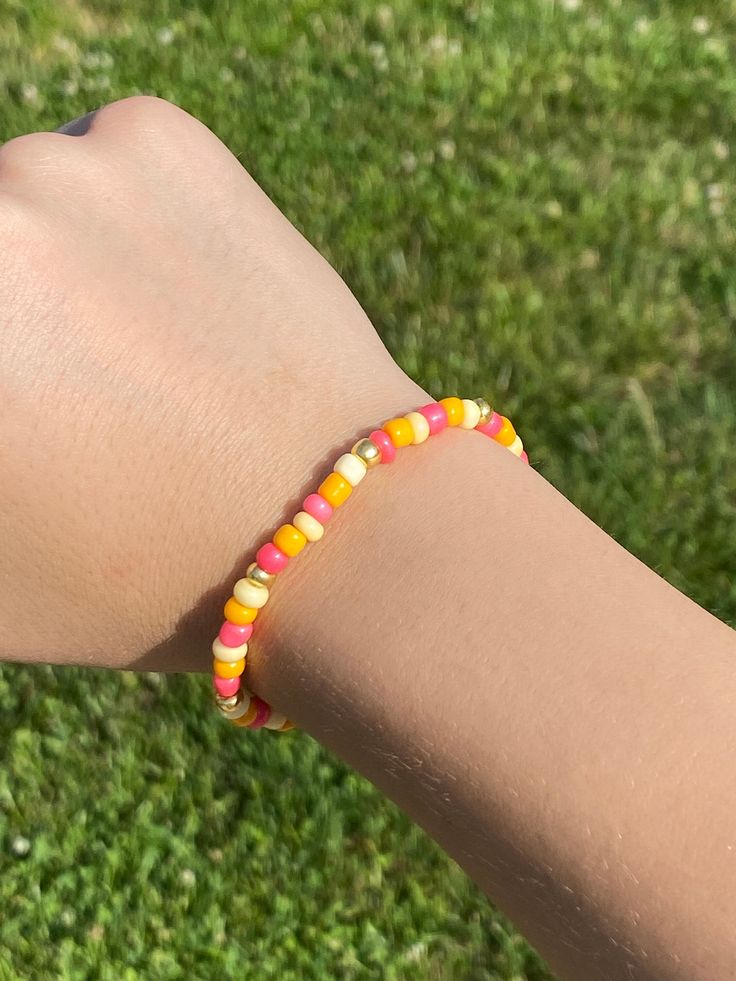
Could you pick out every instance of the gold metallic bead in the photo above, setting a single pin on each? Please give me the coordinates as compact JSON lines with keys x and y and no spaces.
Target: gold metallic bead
{"x":367,"y":451}
{"x":229,"y":701}
{"x":259,"y":575}
{"x":233,"y":705}
{"x":485,"y":411}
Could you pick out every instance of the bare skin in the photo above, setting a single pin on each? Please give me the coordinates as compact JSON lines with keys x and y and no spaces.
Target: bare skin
{"x":178,"y":368}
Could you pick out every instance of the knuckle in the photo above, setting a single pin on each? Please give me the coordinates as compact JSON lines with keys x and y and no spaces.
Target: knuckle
{"x":140,"y":116}
{"x":29,"y":152}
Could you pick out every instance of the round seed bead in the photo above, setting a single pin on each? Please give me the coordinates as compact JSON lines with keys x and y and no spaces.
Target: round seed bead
{"x":485,"y":412}
{"x":250,"y":593}
{"x":506,"y":434}
{"x":384,"y":444}
{"x":238,"y":712}
{"x":420,"y":427}
{"x":257,"y":574}
{"x":271,"y":559}
{"x":228,"y":654}
{"x":454,"y":408}
{"x":237,"y":613}
{"x":226,"y":686}
{"x":524,"y":456}
{"x":436,"y":416}
{"x":367,"y":451}
{"x":248,"y":716}
{"x":471,"y":414}
{"x":308,"y":526}
{"x":263,"y":714}
{"x":318,"y":508}
{"x":335,"y":489}
{"x":351,"y":468}
{"x":492,"y":427}
{"x":399,"y":430}
{"x":229,"y":669}
{"x":233,"y":706}
{"x":227,"y":704}
{"x":289,"y":540}
{"x":517,"y":446}
{"x":276,"y":720}
{"x":233,"y":634}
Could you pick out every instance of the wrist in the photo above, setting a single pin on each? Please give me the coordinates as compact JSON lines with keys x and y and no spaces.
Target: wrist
{"x":244,"y":484}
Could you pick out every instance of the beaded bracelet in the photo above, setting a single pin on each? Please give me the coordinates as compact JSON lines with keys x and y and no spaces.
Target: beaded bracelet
{"x":250,"y":594}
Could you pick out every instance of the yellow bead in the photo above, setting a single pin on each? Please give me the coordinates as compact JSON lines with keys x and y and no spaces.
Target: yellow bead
{"x":399,"y":430}
{"x":335,"y":489}
{"x":367,"y":451}
{"x":257,"y":574}
{"x":485,"y":411}
{"x":517,"y":447}
{"x":506,"y":434}
{"x":237,"y":613}
{"x":248,"y":717}
{"x":289,"y":540}
{"x":250,"y":593}
{"x":229,"y":669}
{"x":286,"y":726}
{"x":454,"y":408}
{"x":312,"y":529}
{"x":471,"y":416}
{"x":229,"y":654}
{"x":351,"y":468}
{"x":419,"y":426}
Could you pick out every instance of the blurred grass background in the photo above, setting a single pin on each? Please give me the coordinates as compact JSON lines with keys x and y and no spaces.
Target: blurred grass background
{"x":534,"y":200}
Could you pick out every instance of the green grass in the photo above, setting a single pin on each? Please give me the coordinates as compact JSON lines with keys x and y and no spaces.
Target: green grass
{"x":534,"y":200}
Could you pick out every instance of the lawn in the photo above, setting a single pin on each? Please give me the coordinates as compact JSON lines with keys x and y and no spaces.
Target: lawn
{"x":533,"y":200}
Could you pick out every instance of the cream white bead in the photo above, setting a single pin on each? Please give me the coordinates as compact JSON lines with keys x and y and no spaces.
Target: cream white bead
{"x":276,"y":720}
{"x":517,"y":447}
{"x":350,"y":468}
{"x":240,"y":710}
{"x":419,"y":425}
{"x":228,"y":654}
{"x":250,"y":593}
{"x":312,"y":529}
{"x":471,"y":414}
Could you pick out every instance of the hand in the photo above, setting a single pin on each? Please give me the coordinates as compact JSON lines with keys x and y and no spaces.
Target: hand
{"x":176,"y":360}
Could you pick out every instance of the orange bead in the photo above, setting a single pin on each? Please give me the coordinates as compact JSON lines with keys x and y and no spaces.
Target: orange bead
{"x":246,"y":719}
{"x":335,"y":489}
{"x":237,"y":613}
{"x":289,"y":540}
{"x":400,"y":431}
{"x":228,"y":669}
{"x":506,"y":434}
{"x":455,"y":410}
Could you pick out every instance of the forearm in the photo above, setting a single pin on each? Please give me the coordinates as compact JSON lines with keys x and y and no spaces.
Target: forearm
{"x":555,"y":714}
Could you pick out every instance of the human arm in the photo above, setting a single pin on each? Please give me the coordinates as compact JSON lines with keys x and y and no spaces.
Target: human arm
{"x":178,"y":368}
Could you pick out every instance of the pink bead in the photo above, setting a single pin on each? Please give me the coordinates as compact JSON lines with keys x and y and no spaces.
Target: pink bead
{"x":435,"y":415}
{"x":384,"y":444}
{"x":233,"y":635}
{"x":263,"y":713}
{"x":271,"y":559}
{"x":524,"y":456}
{"x":226,"y":686}
{"x":316,"y":506}
{"x":493,"y":426}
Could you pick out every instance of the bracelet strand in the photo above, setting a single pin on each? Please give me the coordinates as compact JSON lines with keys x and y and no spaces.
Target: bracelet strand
{"x":250,"y":594}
